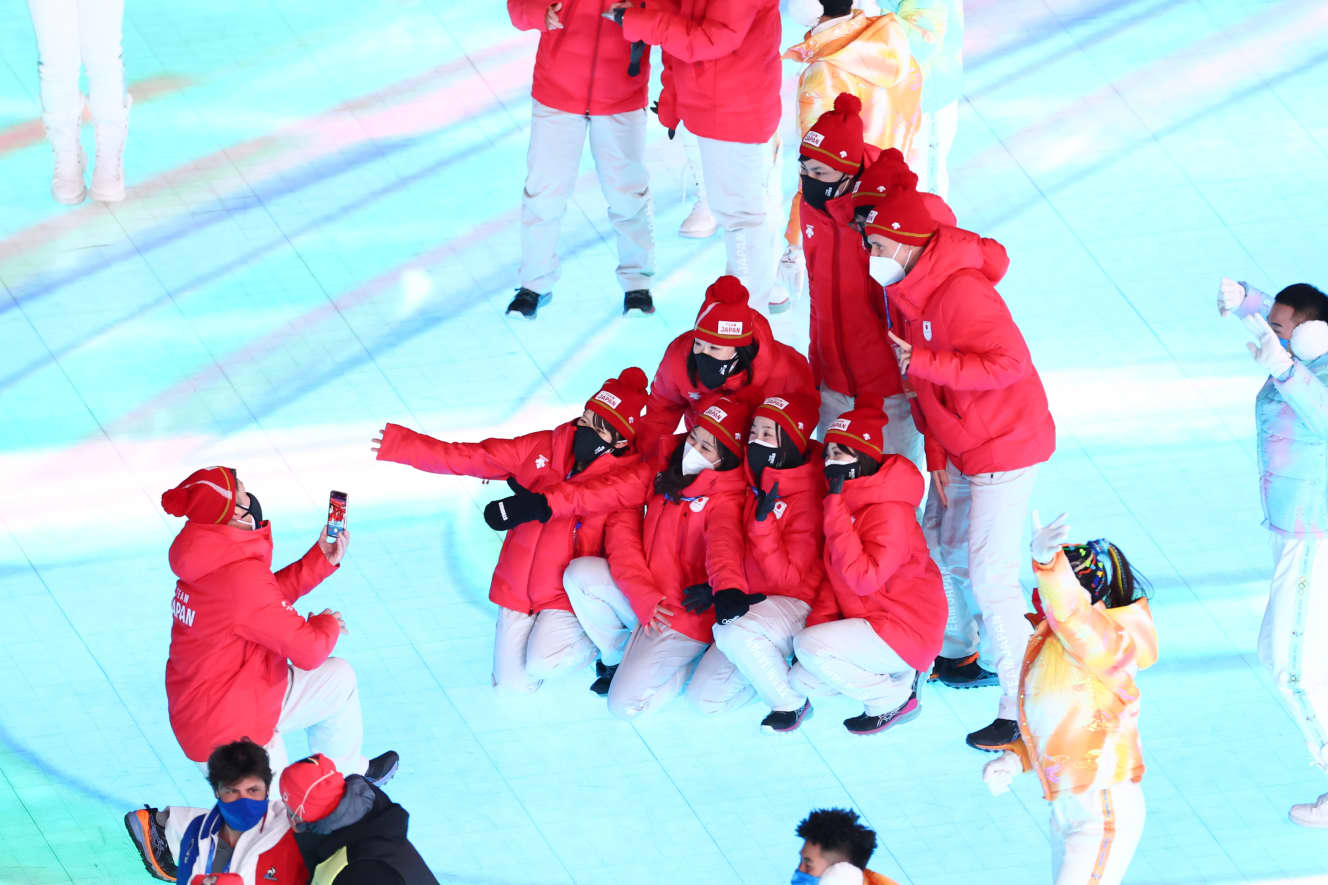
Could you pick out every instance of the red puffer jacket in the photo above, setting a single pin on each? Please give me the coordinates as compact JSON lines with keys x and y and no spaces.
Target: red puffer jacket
{"x":784,"y":549}
{"x":979,"y":400}
{"x":878,"y":564}
{"x":672,"y":395}
{"x":233,"y":632}
{"x":529,"y":574}
{"x":581,"y":68}
{"x":721,"y":64}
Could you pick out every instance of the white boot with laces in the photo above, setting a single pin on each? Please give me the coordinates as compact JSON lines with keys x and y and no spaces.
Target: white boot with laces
{"x":67,"y":181}
{"x":108,"y":179}
{"x":1311,"y":814}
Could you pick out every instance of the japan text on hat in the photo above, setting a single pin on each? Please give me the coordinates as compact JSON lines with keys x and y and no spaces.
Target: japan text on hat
{"x":312,"y":788}
{"x":726,"y":418}
{"x":206,"y":495}
{"x":862,"y":428}
{"x":835,"y":139}
{"x":621,"y":401}
{"x":724,"y":318}
{"x":795,"y":414}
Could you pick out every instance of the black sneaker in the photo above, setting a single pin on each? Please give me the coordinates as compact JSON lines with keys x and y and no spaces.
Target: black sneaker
{"x":995,"y":737}
{"x":782,"y":721}
{"x":382,"y":768}
{"x":871,"y":724}
{"x":527,"y":302}
{"x":943,"y":664}
{"x":603,"y":678}
{"x":638,"y":300}
{"x":963,"y":673}
{"x":149,"y":838}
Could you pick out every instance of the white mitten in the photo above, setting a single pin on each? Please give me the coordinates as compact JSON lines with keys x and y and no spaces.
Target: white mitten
{"x":1309,"y":340}
{"x":1000,"y":772}
{"x":1270,"y":354}
{"x":792,"y":271}
{"x":1048,"y":540}
{"x":1229,"y":296}
{"x":842,"y":873}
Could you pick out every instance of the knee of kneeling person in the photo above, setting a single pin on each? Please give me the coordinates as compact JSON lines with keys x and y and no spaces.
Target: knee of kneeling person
{"x":581,"y":571}
{"x":808,"y":644}
{"x":625,"y":706}
{"x":340,"y":670}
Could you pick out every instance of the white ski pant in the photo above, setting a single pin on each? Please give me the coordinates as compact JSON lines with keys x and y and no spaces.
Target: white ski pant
{"x":901,"y":434}
{"x":527,"y":649}
{"x":603,"y":610}
{"x":737,"y":183}
{"x":931,"y":149}
{"x":849,"y":657}
{"x":1094,"y":834}
{"x":751,"y":657}
{"x":977,"y":541}
{"x":617,"y":145}
{"x":1293,"y":638}
{"x":71,"y":35}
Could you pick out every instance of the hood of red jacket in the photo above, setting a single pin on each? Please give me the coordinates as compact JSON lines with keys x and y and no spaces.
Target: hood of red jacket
{"x":200,"y":549}
{"x":897,"y":482}
{"x":951,"y":250}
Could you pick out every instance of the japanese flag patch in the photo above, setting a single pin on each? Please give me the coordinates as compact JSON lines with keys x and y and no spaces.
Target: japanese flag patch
{"x":699,"y":504}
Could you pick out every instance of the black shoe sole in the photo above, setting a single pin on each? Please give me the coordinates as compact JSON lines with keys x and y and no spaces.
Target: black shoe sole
{"x":134,"y":836}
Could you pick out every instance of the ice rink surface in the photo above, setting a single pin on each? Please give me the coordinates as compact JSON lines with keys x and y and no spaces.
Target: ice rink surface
{"x":321,"y":235}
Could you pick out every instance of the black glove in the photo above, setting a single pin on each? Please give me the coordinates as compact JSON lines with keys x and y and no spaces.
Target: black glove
{"x":697,"y":598}
{"x":835,"y":474}
{"x":654,"y":109}
{"x":765,"y":502}
{"x":523,"y":507}
{"x":732,"y":604}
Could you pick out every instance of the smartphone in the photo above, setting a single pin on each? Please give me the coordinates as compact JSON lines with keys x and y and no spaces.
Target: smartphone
{"x":336,"y":514}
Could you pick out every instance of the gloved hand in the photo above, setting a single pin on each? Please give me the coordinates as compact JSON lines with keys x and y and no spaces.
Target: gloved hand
{"x":765,"y":502}
{"x":654,"y":109}
{"x":523,"y":507}
{"x":834,"y":481}
{"x":697,"y":598}
{"x":1270,"y":354}
{"x":999,"y":773}
{"x":1049,"y":539}
{"x":1229,"y":296}
{"x":732,"y":604}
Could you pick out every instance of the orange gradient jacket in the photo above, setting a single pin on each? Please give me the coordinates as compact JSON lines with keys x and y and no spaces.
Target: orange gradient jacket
{"x":1078,"y":701}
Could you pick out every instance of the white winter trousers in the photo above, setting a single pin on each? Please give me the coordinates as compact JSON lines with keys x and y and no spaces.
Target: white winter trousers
{"x":527,"y":649}
{"x":737,"y":182}
{"x":901,"y":434}
{"x":850,"y":658}
{"x":751,"y":657}
{"x":71,"y":35}
{"x":617,"y":145}
{"x":977,"y":543}
{"x":1094,"y":834}
{"x":931,"y":149}
{"x":1293,"y":638}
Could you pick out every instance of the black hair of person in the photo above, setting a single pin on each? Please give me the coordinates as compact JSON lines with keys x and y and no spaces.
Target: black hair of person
{"x":1126,"y":584}
{"x":671,"y":481}
{"x":236,"y":760}
{"x":837,"y":830}
{"x":746,"y":359}
{"x":1307,"y":301}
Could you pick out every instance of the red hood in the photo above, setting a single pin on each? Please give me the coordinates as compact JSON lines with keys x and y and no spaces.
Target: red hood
{"x":897,"y":482}
{"x":951,"y":250}
{"x":201,"y":549}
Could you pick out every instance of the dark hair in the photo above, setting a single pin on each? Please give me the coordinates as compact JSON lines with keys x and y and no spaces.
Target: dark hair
{"x":1305,"y":300}
{"x":838,"y":830}
{"x":671,"y":481}
{"x":1125,"y":583}
{"x":746,"y":358}
{"x":239,"y":759}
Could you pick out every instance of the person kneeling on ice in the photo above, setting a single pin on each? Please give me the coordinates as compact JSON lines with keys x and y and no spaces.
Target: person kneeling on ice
{"x":884,"y":582}
{"x":537,"y":634}
{"x":348,"y":831}
{"x":245,"y":839}
{"x":781,"y":520}
{"x":835,"y":850}
{"x":1079,"y":703}
{"x":242,"y":662}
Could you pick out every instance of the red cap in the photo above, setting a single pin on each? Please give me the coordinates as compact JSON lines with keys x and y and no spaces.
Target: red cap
{"x":621,"y":401}
{"x":861,"y":428}
{"x":835,"y":139}
{"x":312,"y":788}
{"x":901,"y":214}
{"x":888,"y":171}
{"x":796,"y":414}
{"x":724,"y":318}
{"x":206,"y":495}
{"x":726,"y":418}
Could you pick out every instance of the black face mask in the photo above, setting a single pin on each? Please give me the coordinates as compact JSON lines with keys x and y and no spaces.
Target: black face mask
{"x":712,"y":372}
{"x":816,"y":193}
{"x":783,"y":456}
{"x":587,"y":445}
{"x":255,"y":510}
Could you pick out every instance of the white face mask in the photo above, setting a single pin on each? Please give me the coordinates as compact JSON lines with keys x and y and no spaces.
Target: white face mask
{"x":806,"y":12}
{"x":885,"y":271}
{"x":693,"y":462}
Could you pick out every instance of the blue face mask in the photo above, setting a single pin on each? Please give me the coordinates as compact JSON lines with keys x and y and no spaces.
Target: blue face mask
{"x":242,"y":814}
{"x":801,"y":878}
{"x":1285,"y":342}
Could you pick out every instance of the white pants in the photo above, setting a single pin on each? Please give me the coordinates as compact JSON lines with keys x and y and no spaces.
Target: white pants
{"x":1094,"y":834}
{"x":751,"y":657}
{"x":653,"y":671}
{"x":977,"y":542}
{"x":737,"y":182}
{"x":901,"y":434}
{"x":931,"y":149}
{"x":527,"y":649}
{"x":72,"y":34}
{"x":617,"y":145}
{"x":603,"y":610}
{"x":1293,"y":639}
{"x":850,"y":658}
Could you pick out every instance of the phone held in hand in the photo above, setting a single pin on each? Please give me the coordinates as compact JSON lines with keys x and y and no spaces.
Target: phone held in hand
{"x":336,"y":514}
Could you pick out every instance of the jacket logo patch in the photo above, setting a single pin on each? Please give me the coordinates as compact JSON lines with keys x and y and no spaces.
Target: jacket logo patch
{"x":271,"y":874}
{"x":693,"y":394}
{"x":811,"y":231}
{"x":540,"y":462}
{"x":699,"y":504}
{"x":926,"y":329}
{"x":780,"y":507}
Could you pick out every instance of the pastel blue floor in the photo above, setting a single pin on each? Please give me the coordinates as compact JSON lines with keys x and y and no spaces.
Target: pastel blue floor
{"x":321,"y":235}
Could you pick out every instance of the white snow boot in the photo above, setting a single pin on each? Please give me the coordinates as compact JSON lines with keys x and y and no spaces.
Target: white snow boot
{"x":62,"y":130}
{"x":1313,"y":814}
{"x":108,"y":179}
{"x":699,"y":223}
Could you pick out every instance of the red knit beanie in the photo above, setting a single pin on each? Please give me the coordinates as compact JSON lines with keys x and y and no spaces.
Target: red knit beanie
{"x":888,"y":171}
{"x":724,"y":318}
{"x":206,"y":495}
{"x":796,"y":414}
{"x":861,"y":428}
{"x":621,"y":401}
{"x":900,"y":214}
{"x":726,"y":418}
{"x":312,"y":788}
{"x":835,"y":139}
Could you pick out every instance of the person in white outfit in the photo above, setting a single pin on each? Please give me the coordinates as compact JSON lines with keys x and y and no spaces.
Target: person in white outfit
{"x":1291,"y":415}
{"x":72,"y":35}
